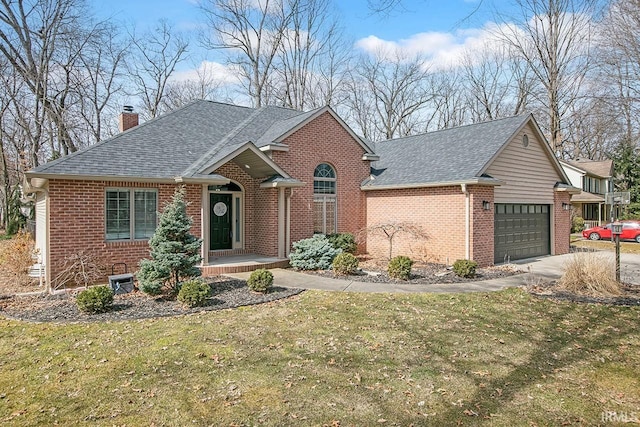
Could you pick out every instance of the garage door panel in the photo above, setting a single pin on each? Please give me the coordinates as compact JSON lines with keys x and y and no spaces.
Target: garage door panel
{"x":521,"y":231}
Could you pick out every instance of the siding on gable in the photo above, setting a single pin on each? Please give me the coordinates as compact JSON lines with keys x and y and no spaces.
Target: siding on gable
{"x":527,"y":172}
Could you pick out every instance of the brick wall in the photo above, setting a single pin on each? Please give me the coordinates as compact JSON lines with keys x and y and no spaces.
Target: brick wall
{"x":324,"y":140}
{"x":77,"y":221}
{"x":482,"y":226}
{"x":562,"y":223}
{"x":440,"y":213}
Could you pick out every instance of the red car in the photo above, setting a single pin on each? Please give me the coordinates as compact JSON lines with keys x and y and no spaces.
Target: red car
{"x":630,"y":231}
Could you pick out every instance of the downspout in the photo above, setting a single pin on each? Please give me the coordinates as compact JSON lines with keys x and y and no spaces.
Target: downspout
{"x":287,"y":226}
{"x":467,"y":221}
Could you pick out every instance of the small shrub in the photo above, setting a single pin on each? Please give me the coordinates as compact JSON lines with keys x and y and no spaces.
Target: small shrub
{"x":590,"y":274}
{"x":17,"y":256}
{"x":194,"y":293}
{"x":345,"y":263}
{"x":577,"y":224}
{"x":344,"y":241}
{"x":400,"y":267}
{"x":315,"y":253}
{"x":260,"y":280}
{"x":95,"y":300}
{"x":465,"y":268}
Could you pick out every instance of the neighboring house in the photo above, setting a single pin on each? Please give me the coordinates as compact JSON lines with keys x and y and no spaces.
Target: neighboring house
{"x":595,"y":179}
{"x":259,"y":179}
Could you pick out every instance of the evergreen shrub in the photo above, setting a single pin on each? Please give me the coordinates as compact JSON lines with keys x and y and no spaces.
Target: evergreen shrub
{"x":400,"y":267}
{"x":345,"y":264}
{"x":260,"y":280}
{"x":194,"y":293}
{"x":465,"y":268}
{"x":315,"y":253}
{"x":95,"y":300}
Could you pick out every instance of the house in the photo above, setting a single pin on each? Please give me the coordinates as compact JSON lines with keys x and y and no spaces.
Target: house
{"x":595,"y":179}
{"x":259,"y":179}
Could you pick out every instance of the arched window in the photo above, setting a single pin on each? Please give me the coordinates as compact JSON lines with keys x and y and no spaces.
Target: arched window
{"x":324,"y":200}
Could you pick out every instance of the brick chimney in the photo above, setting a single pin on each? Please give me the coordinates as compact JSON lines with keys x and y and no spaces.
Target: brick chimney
{"x":127,"y":118}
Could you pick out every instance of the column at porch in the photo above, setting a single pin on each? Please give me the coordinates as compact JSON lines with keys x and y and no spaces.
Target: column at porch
{"x":281,"y":222}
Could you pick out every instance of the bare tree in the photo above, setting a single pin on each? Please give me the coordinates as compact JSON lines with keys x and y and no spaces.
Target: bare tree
{"x":102,"y":63}
{"x":554,"y":37}
{"x":390,"y":230}
{"x":252,"y":33}
{"x":497,"y":84}
{"x":35,"y":36}
{"x":205,"y":85}
{"x":157,"y":53}
{"x":311,"y":56}
{"x":398,"y":89}
{"x":448,"y":107}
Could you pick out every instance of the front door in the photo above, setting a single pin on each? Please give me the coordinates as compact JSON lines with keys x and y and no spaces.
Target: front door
{"x":220,"y":214}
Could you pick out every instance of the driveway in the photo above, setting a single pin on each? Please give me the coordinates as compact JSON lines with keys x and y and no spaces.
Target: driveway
{"x":534,"y":269}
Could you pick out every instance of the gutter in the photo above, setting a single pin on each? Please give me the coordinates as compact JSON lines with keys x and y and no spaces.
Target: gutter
{"x":475,"y":181}
{"x":467,"y":221}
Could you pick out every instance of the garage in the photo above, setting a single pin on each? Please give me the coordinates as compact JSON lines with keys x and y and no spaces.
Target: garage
{"x":521,"y":231}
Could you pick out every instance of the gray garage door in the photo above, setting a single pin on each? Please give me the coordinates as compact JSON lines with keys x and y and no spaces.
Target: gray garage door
{"x":521,"y":231}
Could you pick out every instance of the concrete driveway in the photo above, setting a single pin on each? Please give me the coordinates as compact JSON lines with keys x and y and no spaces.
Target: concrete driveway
{"x":533,"y":270}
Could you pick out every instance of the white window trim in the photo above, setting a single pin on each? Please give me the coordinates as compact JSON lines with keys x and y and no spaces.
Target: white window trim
{"x":325,"y":197}
{"x":132,"y":191}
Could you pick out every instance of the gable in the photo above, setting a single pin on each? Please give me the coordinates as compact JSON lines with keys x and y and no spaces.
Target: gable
{"x":325,"y":132}
{"x":528,"y":173}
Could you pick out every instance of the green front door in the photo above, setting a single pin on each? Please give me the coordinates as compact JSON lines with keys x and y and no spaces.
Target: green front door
{"x":220,"y":218}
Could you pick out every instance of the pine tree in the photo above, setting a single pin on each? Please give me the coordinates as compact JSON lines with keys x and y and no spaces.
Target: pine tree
{"x":174,"y":250}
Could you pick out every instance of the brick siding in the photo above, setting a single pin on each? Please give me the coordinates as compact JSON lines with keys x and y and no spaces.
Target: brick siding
{"x":324,"y":140}
{"x":77,"y":222}
{"x":562,"y":223}
{"x":440,"y":213}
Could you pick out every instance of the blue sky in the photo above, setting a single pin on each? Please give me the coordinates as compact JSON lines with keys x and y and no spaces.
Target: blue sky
{"x":438,"y":29}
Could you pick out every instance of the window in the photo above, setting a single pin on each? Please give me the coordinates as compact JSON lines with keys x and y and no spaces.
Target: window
{"x":324,"y":200}
{"x":125,"y":219}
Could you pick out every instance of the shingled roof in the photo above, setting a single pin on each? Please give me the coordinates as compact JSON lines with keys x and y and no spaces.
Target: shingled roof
{"x":181,"y":144}
{"x":456,"y":155}
{"x":601,"y":168}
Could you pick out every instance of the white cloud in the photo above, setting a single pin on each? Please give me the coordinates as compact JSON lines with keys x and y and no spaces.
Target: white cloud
{"x":441,"y":50}
{"x":208,"y":71}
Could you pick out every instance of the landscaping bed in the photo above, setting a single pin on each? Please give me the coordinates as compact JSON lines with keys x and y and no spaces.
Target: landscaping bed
{"x":226,"y":293}
{"x":374,"y":271}
{"x":630,"y":295}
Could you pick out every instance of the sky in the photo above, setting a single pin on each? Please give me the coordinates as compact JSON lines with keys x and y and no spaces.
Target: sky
{"x":438,"y":29}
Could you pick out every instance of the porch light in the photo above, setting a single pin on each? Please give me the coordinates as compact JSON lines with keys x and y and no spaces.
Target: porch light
{"x":247,"y":166}
{"x":486,"y":205}
{"x":566,"y":206}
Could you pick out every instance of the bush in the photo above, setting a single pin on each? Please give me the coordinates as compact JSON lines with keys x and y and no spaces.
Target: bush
{"x":17,"y":256}
{"x":400,"y":267}
{"x":344,"y":241}
{"x":194,"y":293}
{"x":345,"y":263}
{"x":260,"y":280}
{"x":590,"y":274}
{"x":95,"y":300}
{"x":465,"y":268}
{"x":315,"y":253}
{"x":577,"y":224}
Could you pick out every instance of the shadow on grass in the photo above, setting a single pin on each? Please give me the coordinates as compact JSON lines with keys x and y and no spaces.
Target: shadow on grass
{"x":559,"y":339}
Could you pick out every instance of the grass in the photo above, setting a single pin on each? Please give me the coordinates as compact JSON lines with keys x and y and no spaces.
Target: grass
{"x":604,"y":245}
{"x":334,"y":359}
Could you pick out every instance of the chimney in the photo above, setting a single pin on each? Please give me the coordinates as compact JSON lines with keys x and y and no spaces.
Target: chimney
{"x":127,"y":118}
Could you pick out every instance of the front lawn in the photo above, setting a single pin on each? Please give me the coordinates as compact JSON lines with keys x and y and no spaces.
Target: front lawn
{"x":604,"y":245}
{"x":335,"y":359}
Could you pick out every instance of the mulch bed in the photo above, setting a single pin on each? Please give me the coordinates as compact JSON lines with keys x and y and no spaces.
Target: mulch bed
{"x":422,"y":274}
{"x":550,"y":290}
{"x":226,"y":293}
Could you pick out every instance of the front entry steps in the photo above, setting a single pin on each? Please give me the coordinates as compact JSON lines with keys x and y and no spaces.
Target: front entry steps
{"x":223,"y":263}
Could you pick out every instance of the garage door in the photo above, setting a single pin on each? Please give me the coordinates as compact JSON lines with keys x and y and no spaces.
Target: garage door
{"x":521,"y":231}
